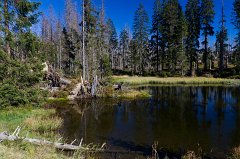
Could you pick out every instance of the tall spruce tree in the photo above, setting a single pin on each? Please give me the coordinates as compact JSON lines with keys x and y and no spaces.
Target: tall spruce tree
{"x":140,"y":34}
{"x":156,"y":33}
{"x":236,"y":22}
{"x":173,"y":30}
{"x":221,"y":39}
{"x":7,"y":19}
{"x":112,"y":41}
{"x":90,"y":25}
{"x":124,"y":46}
{"x":192,"y":15}
{"x":69,"y":52}
{"x":207,"y":17}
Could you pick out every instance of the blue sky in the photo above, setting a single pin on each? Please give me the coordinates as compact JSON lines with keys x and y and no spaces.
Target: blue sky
{"x":122,"y":11}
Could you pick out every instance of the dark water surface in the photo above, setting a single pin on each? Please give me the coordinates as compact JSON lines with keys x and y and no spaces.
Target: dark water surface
{"x":195,"y":118}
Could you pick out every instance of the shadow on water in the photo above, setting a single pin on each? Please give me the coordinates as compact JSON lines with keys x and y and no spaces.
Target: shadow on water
{"x":205,"y":119}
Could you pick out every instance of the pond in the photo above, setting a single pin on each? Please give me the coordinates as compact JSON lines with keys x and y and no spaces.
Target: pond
{"x":200,"y":118}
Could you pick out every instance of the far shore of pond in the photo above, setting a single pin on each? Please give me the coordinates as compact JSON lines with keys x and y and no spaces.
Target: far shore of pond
{"x":138,"y":80}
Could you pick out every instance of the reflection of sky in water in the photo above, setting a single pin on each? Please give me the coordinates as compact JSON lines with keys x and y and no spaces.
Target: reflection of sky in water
{"x":179,"y":118}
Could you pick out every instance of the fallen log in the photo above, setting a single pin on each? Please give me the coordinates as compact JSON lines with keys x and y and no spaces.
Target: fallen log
{"x":65,"y":81}
{"x":79,"y":89}
{"x":75,"y":91}
{"x":61,"y":146}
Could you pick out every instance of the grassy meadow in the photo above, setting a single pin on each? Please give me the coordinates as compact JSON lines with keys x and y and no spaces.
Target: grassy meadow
{"x":136,"y":80}
{"x":36,"y":123}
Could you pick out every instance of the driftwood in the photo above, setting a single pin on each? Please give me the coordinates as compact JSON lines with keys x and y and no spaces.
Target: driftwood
{"x":84,"y":89}
{"x":53,"y":77}
{"x":57,"y":145}
{"x":75,"y":91}
{"x":78,"y":88}
{"x":65,"y":81}
{"x":94,"y":87}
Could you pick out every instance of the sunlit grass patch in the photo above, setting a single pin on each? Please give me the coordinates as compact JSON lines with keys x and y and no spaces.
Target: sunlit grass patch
{"x":125,"y":93}
{"x":136,"y":80}
{"x":36,"y":122}
{"x":43,"y":122}
{"x":235,"y":153}
{"x":131,"y":94}
{"x":28,"y":151}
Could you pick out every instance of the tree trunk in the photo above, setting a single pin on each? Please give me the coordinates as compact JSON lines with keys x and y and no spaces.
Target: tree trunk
{"x":205,"y":55}
{"x":6,"y":27}
{"x":83,"y":42}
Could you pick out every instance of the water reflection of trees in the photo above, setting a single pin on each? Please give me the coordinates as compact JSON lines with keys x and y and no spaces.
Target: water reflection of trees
{"x":177,"y":117}
{"x":87,"y":119}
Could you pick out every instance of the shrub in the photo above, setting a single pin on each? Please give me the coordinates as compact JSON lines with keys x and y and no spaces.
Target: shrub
{"x":60,"y":94}
{"x":12,"y":96}
{"x":19,"y":81}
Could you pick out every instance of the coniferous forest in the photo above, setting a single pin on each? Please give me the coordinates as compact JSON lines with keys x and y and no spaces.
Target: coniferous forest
{"x":170,"y":78}
{"x":84,"y":42}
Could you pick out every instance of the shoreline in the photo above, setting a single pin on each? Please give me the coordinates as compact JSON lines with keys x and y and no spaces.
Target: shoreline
{"x":137,"y":80}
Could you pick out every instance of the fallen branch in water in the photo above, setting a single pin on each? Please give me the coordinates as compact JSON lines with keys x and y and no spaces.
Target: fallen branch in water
{"x":69,"y":147}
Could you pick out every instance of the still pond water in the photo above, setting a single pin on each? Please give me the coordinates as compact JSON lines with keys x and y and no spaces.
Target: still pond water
{"x":195,"y":118}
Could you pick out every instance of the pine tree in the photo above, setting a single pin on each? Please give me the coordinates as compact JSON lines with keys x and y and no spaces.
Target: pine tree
{"x":7,"y":13}
{"x":156,"y":33}
{"x":72,"y":28}
{"x":90,"y":25}
{"x":192,"y":14}
{"x":236,"y":22}
{"x":140,"y":34}
{"x":221,"y":39}
{"x":103,"y":57}
{"x":112,"y":41}
{"x":69,"y":52}
{"x":207,"y":17}
{"x":134,"y":59}
{"x":124,"y":47}
{"x":173,"y":31}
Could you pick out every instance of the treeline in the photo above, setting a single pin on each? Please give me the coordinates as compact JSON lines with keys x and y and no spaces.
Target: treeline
{"x":87,"y":42}
{"x":80,"y":45}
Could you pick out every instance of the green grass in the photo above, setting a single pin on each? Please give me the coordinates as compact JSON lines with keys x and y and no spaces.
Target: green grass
{"x":109,"y":92}
{"x":54,"y":100}
{"x":133,"y":94}
{"x":136,"y":80}
{"x":37,"y":123}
